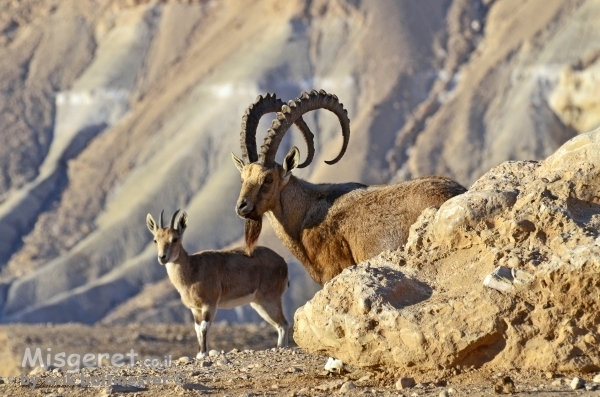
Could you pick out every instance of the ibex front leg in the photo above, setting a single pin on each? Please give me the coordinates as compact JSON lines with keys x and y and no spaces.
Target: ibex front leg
{"x":203,"y":319}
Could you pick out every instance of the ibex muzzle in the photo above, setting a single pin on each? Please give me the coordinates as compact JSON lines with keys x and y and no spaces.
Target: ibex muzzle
{"x":243,"y":207}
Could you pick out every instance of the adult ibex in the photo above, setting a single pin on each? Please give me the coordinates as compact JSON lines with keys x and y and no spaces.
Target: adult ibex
{"x":225,"y":279}
{"x":328,"y":227}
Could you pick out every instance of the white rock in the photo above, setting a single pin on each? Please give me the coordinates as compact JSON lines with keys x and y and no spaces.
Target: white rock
{"x":213,"y":353}
{"x":577,"y":383}
{"x":334,"y":365}
{"x":596,"y":379}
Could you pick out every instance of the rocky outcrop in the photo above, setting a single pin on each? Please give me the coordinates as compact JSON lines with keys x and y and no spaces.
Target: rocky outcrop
{"x":425,"y":306}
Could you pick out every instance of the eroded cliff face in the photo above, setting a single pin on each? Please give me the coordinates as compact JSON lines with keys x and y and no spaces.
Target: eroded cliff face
{"x":114,"y":109}
{"x":426,"y":308}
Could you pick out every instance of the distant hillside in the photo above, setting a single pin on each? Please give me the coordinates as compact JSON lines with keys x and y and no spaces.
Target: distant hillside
{"x":113,"y":109}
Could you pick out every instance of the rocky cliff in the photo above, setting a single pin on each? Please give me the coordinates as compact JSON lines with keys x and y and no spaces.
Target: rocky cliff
{"x":506,"y":275}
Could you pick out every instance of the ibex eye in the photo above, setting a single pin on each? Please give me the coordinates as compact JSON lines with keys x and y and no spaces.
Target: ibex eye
{"x":154,"y":241}
{"x":268,"y":181}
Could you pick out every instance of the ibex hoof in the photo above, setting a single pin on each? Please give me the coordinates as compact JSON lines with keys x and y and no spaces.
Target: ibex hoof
{"x":201,"y":355}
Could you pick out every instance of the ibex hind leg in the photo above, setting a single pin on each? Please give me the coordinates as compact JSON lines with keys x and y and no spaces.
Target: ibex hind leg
{"x":202,"y":321}
{"x":273,"y":314}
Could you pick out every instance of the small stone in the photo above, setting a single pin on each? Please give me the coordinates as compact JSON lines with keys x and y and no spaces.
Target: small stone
{"x":205,"y":364}
{"x":37,"y":371}
{"x":549,"y":375}
{"x":591,"y":387}
{"x":223,"y":361}
{"x":504,"y":386}
{"x":275,"y":386}
{"x":234,"y":351}
{"x":334,"y":365}
{"x":330,"y":386}
{"x":451,"y":390}
{"x":293,"y":370}
{"x":577,"y":383}
{"x":192,"y":386}
{"x":114,"y":389}
{"x":557,"y":382}
{"x":184,"y":359}
{"x":57,"y":370}
{"x":596,"y":379}
{"x":444,"y":393}
{"x":347,"y":386}
{"x":364,"y":378}
{"x":405,"y":383}
{"x":213,"y":353}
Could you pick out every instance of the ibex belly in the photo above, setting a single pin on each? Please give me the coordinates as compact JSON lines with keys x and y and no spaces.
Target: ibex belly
{"x":238,"y":301}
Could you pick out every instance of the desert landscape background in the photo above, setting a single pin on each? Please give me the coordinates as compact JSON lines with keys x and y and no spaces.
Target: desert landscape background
{"x":113,"y":109}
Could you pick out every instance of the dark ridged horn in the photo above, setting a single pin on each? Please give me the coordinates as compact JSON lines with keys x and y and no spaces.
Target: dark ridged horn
{"x":263,"y":105}
{"x":293,"y":111}
{"x":172,"y":224}
{"x":160,"y":222}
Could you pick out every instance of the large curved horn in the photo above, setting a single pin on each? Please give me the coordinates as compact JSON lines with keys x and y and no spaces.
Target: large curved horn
{"x":293,"y":111}
{"x":160,"y":222}
{"x":263,"y":105}
{"x":172,"y":224}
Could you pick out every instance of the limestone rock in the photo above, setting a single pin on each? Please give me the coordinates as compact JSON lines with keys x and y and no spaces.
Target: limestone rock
{"x":425,"y":305}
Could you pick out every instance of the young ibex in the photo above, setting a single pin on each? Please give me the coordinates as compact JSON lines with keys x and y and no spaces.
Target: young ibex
{"x":209,"y":280}
{"x":328,"y":227}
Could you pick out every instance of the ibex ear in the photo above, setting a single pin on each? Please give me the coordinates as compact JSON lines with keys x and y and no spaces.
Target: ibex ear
{"x":239,"y":163}
{"x":151,"y":224}
{"x":291,"y":161}
{"x":182,"y":224}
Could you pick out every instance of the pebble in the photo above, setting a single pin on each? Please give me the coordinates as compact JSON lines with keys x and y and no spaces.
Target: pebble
{"x":577,"y":383}
{"x":184,"y":359}
{"x":549,"y":375}
{"x":451,"y":390}
{"x":557,"y":382}
{"x":57,"y":371}
{"x":213,"y":353}
{"x":504,"y":386}
{"x":405,"y":383}
{"x":114,"y":389}
{"x":223,"y":361}
{"x":37,"y":371}
{"x":330,"y":386}
{"x":205,"y":364}
{"x":596,"y":379}
{"x":591,"y":387}
{"x":191,"y":386}
{"x":347,"y":386}
{"x":444,"y":393}
{"x":234,"y":351}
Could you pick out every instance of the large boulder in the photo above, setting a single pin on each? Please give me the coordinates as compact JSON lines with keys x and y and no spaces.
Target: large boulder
{"x":531,"y":227}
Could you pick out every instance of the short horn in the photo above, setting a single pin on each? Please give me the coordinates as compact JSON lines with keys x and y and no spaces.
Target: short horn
{"x":268,"y":103}
{"x":160,"y":219}
{"x":292,"y":112}
{"x":172,"y":224}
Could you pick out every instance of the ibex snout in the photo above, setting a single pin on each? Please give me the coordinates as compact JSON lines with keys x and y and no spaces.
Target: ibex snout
{"x":162,"y":259}
{"x":243,"y":207}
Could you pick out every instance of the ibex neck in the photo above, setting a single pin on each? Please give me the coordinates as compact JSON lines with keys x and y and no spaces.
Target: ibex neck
{"x":179,"y":271}
{"x":295,"y":201}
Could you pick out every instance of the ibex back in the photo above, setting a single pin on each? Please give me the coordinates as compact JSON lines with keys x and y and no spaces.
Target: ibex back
{"x":328,"y":227}
{"x":209,"y":280}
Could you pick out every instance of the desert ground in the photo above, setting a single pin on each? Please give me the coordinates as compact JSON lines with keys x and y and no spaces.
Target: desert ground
{"x":246,"y":365}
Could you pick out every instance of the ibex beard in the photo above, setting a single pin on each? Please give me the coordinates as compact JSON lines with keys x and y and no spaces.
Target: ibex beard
{"x":252,"y":231}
